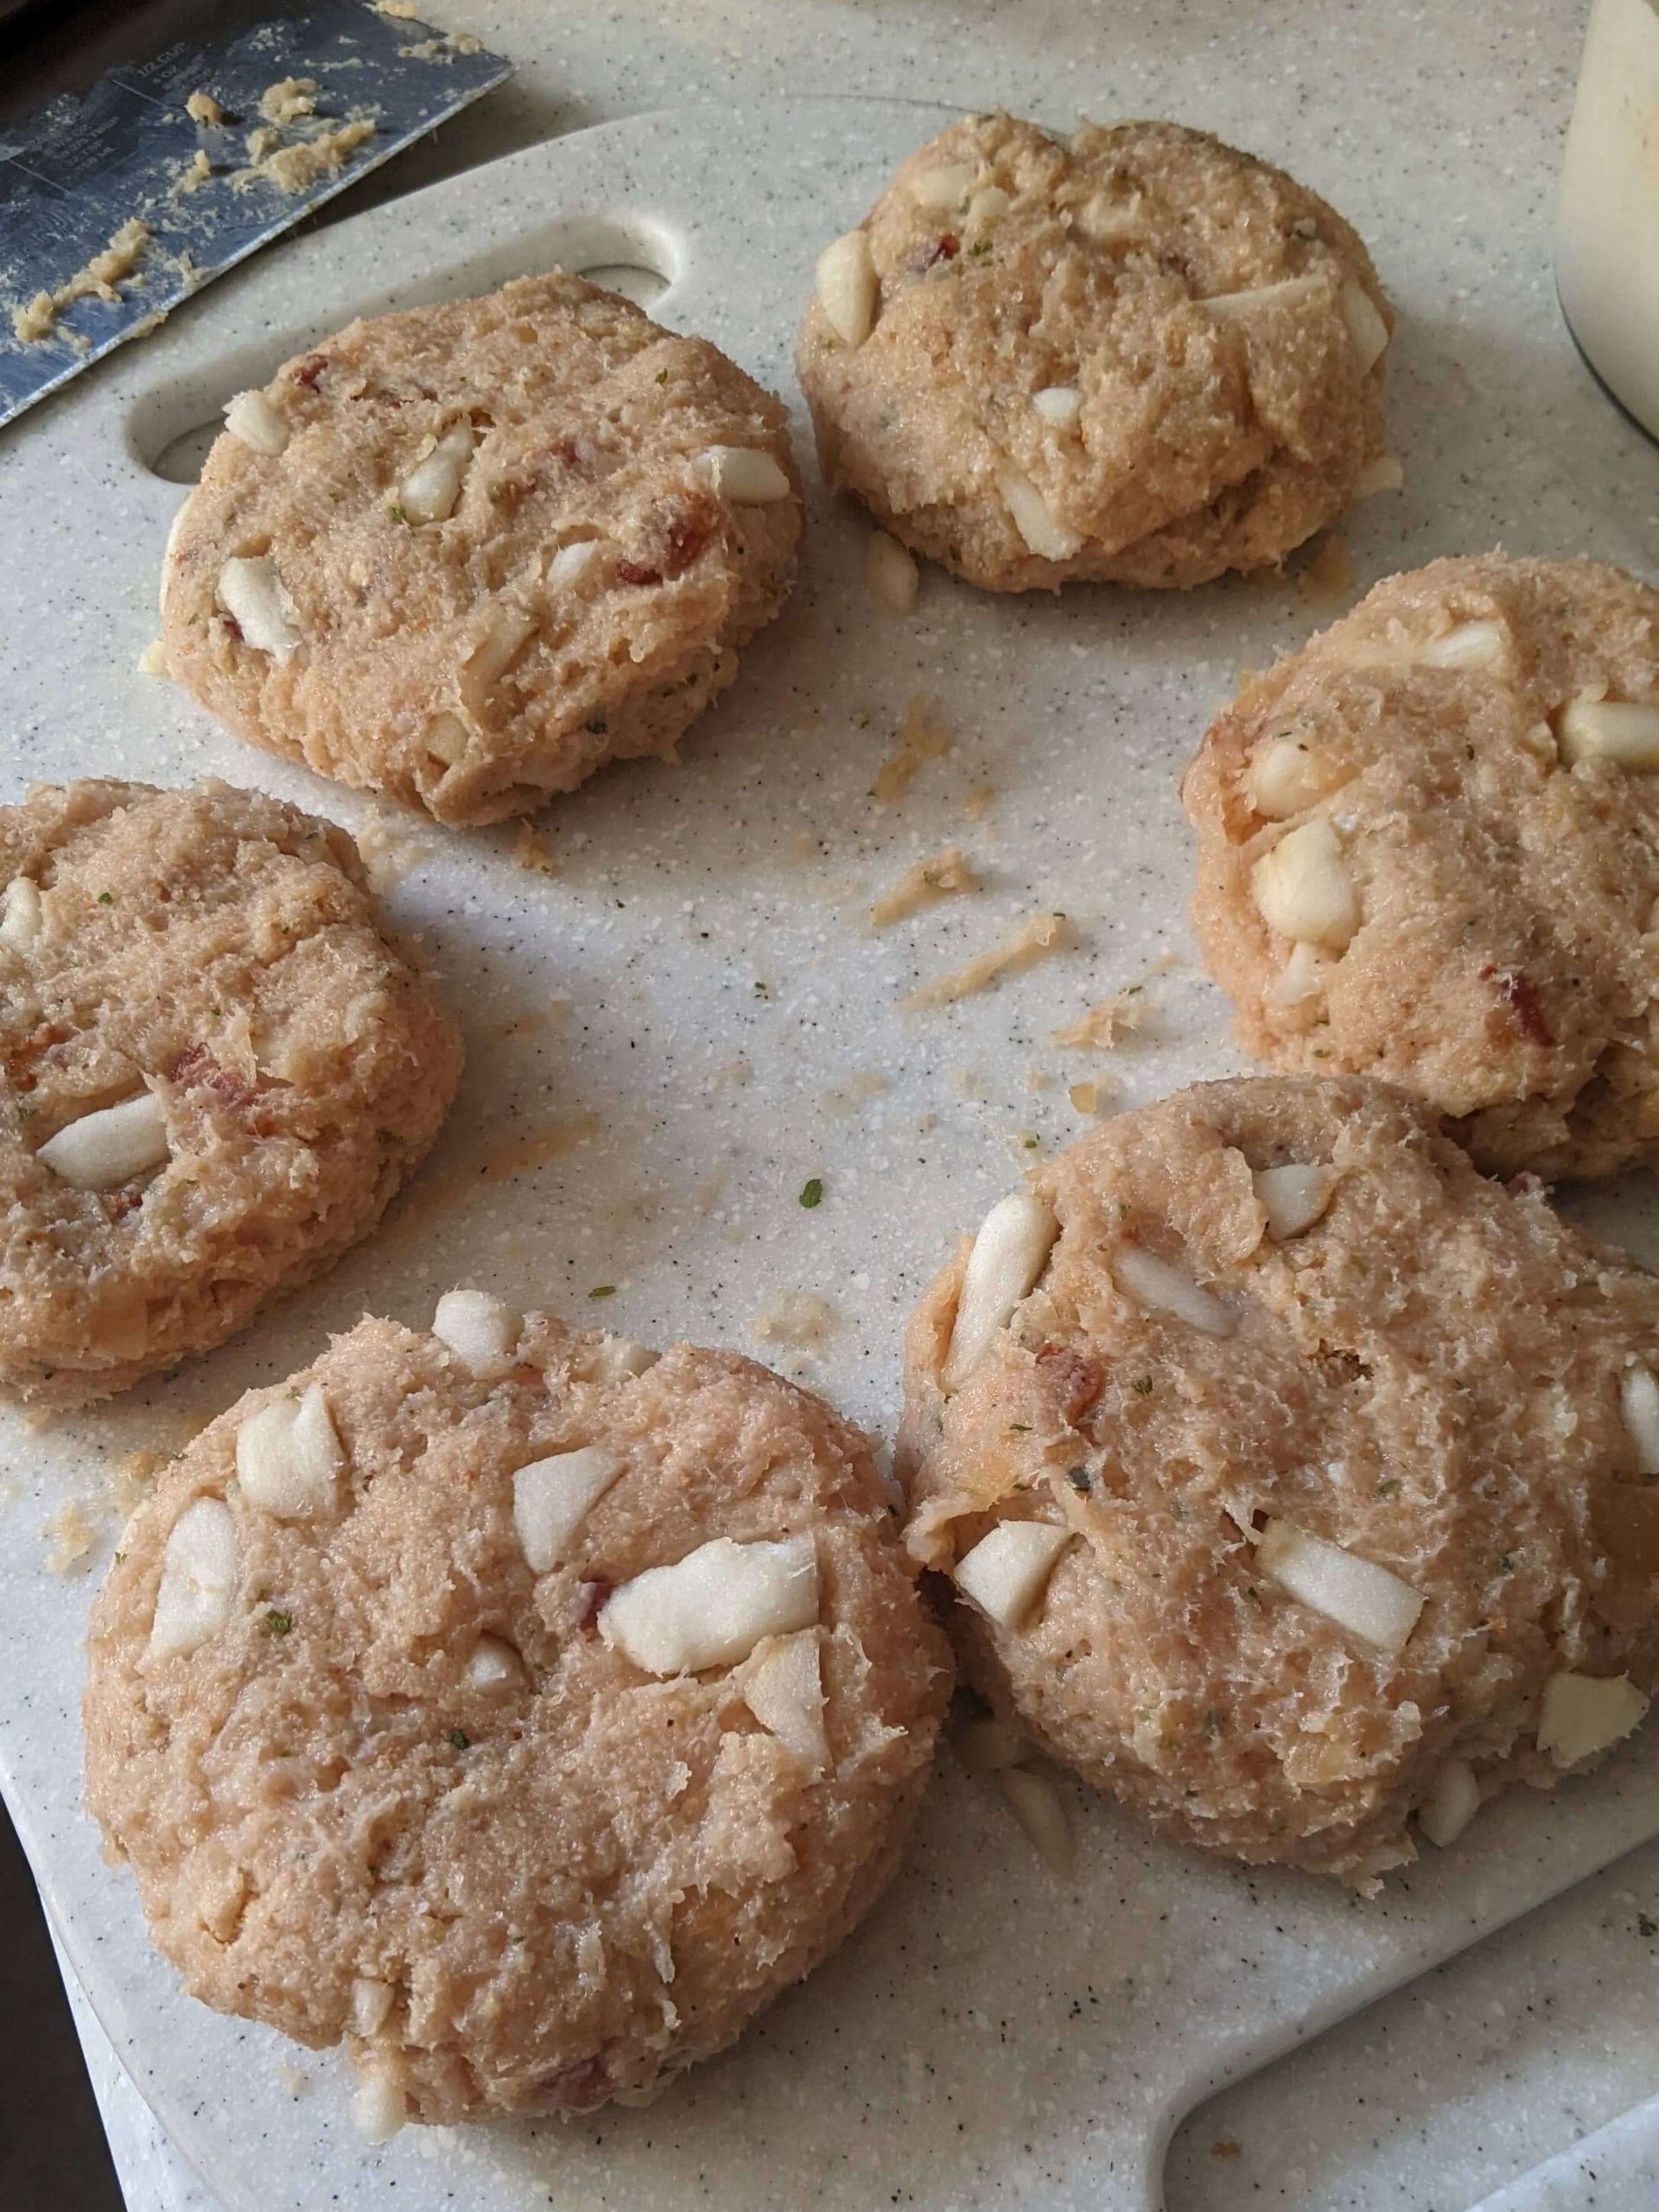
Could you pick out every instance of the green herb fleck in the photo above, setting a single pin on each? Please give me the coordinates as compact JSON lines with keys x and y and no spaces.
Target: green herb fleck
{"x":1122,"y":1209}
{"x":459,"y":1738}
{"x":603,"y":1290}
{"x":1142,"y":1384}
{"x":106,"y":898}
{"x":1019,"y":1428}
{"x":397,"y":515}
{"x":1506,"y":1562}
{"x":1213,"y":1722}
{"x":812,"y":1192}
{"x":662,"y":376}
{"x":1080,"y":1480}
{"x":277,"y":1623}
{"x":762,"y":990}
{"x":1388,"y":1487}
{"x":980,"y":247}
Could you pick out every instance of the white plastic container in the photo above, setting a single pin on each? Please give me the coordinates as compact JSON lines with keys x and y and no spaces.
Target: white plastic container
{"x":1607,"y":265}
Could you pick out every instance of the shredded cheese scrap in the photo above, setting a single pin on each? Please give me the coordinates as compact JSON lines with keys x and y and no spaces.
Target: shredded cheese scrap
{"x":938,"y":878}
{"x":915,"y":741}
{"x":1035,"y":939}
{"x":1097,"y":1030}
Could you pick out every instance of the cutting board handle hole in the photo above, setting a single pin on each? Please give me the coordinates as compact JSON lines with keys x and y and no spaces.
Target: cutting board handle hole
{"x":180,"y":460}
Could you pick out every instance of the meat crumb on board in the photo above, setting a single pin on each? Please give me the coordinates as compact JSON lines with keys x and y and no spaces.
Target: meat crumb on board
{"x":286,"y":101}
{"x":391,"y":851}
{"x":37,"y":320}
{"x":202,"y":107}
{"x":295,"y":167}
{"x":801,"y":1323}
{"x":1327,"y":578}
{"x":1037,"y":938}
{"x":1095,"y":1095}
{"x":530,"y":851}
{"x":442,"y":48}
{"x":940,"y":877}
{"x":845,"y":1099}
{"x":916,"y":741}
{"x":70,"y":1537}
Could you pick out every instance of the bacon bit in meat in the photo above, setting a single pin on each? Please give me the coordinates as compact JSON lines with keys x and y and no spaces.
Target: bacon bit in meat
{"x":307,"y":372}
{"x":1520,"y":995}
{"x":582,"y":2088}
{"x":195,"y":1068}
{"x":591,"y":1598}
{"x":1071,"y":1378}
{"x":943,"y":249}
{"x":679,"y":529}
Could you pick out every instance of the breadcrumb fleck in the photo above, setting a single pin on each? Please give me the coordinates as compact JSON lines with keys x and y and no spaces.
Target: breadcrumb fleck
{"x":1037,"y":938}
{"x":153,"y":659}
{"x":202,"y":107}
{"x":916,"y":739}
{"x":930,"y":880}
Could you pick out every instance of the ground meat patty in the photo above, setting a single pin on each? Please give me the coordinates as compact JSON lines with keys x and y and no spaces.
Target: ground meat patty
{"x":1428,"y":851}
{"x":1134,"y":356}
{"x":1294,"y":1478}
{"x":465,"y":554}
{"x":216,"y":1068}
{"x":522,"y":1710}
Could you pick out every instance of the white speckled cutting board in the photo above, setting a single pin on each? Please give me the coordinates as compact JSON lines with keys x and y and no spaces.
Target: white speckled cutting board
{"x":671,"y":1026}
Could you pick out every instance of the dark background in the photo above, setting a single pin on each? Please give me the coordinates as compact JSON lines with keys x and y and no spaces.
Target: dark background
{"x":52,"y":2152}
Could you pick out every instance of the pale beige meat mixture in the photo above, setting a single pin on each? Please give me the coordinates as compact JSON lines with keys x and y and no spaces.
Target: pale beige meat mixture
{"x":1213,"y":1379}
{"x":1136,"y":356}
{"x":208,"y":965}
{"x":465,"y":554}
{"x":1428,"y":851}
{"x":403,"y":1784}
